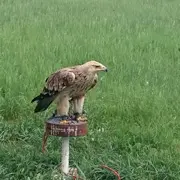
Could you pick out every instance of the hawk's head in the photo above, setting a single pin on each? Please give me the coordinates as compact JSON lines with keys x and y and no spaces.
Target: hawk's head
{"x":94,"y":66}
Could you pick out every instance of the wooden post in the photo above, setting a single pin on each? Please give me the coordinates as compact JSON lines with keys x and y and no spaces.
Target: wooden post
{"x":65,"y":129}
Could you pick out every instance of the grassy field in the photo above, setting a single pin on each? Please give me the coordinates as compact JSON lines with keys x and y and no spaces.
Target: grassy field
{"x":134,"y":124}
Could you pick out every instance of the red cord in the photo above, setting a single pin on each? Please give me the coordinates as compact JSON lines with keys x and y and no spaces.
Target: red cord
{"x":112,"y":170}
{"x":76,"y":178}
{"x":103,"y":166}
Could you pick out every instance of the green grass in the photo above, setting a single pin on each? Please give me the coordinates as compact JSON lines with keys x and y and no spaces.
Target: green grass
{"x":136,"y":103}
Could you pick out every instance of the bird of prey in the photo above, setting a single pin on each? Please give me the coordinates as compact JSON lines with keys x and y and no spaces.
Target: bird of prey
{"x":69,"y":85}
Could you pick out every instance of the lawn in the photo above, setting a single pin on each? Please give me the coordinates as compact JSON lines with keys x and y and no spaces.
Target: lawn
{"x":133,"y":113}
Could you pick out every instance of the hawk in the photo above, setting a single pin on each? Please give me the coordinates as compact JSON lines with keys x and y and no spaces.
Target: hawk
{"x":69,"y":86}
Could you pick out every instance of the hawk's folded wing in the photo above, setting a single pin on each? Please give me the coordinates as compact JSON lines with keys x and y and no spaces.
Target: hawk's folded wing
{"x":55,"y":83}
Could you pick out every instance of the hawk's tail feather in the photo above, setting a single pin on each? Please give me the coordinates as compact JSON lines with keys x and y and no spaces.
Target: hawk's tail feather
{"x":43,"y":102}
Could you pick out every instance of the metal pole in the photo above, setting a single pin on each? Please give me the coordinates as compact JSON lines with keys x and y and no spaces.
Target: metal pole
{"x":65,"y":155}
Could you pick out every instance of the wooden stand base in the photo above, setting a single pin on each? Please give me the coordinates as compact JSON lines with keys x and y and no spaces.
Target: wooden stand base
{"x":55,"y":127}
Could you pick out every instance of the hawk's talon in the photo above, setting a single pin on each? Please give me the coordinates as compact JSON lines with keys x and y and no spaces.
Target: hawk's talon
{"x":80,"y":117}
{"x":65,"y":119}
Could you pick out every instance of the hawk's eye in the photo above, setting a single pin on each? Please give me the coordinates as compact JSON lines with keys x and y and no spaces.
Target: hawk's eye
{"x":97,"y":66}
